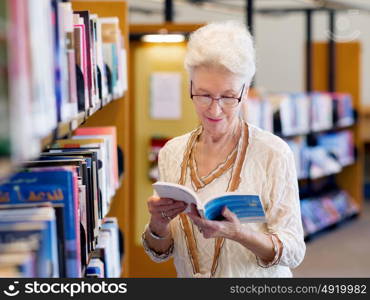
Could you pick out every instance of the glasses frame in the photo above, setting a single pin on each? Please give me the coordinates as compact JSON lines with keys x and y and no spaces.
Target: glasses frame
{"x":213,"y":98}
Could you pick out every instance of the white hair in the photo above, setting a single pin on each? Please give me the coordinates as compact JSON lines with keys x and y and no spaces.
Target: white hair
{"x":227,"y":44}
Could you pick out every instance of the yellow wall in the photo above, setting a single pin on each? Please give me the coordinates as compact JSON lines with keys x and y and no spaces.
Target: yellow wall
{"x":148,"y":58}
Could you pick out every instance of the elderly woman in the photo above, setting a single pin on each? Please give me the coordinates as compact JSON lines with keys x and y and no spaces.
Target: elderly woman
{"x":226,"y":154}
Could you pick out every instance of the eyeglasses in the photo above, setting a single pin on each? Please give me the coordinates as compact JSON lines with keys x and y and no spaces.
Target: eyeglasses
{"x":206,"y":100}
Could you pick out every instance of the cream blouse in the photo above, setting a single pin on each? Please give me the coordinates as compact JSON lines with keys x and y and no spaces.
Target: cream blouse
{"x":269,"y":171}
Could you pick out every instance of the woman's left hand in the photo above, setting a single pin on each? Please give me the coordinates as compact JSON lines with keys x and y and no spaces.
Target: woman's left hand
{"x":229,"y":228}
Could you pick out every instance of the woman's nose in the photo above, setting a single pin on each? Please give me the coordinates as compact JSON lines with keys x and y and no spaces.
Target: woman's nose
{"x":215,"y":107}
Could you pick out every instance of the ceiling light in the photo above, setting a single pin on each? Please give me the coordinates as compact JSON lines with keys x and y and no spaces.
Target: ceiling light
{"x":163,"y":38}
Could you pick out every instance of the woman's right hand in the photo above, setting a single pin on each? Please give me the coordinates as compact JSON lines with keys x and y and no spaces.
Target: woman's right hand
{"x":162,"y":211}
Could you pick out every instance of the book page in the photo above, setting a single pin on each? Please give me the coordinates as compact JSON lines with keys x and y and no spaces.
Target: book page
{"x":176,"y":192}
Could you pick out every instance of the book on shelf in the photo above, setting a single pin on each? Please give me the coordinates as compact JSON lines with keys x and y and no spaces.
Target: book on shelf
{"x":332,"y":151}
{"x":108,"y":133}
{"x":17,"y":259}
{"x":294,"y":114}
{"x":67,"y":31}
{"x":114,"y":55}
{"x":248,"y":208}
{"x":319,"y":213}
{"x":110,"y":225}
{"x":156,"y":144}
{"x":258,"y":111}
{"x":343,"y":113}
{"x":108,"y":248}
{"x":58,"y":186}
{"x":30,"y":224}
{"x":42,"y":82}
{"x":88,"y":186}
{"x":321,"y":111}
{"x":68,"y":175}
{"x":55,"y":64}
{"x":81,"y":63}
{"x":341,"y":144}
{"x":95,"y":268}
{"x":102,"y":79}
{"x":103,"y":167}
{"x":89,"y":71}
{"x":322,"y":163}
{"x":19,"y":83}
{"x":291,"y":114}
{"x":301,"y":157}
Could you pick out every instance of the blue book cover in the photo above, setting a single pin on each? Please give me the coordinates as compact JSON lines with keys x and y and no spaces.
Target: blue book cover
{"x":57,"y":187}
{"x":110,"y":224}
{"x":35,"y":234}
{"x":46,"y":217}
{"x":105,"y":246}
{"x":248,"y":208}
{"x":20,"y":258}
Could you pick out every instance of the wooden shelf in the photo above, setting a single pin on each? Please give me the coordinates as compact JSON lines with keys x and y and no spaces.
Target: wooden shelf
{"x":108,"y":113}
{"x":327,"y":174}
{"x":63,"y":130}
{"x":347,"y":80}
{"x":333,"y":129}
{"x":309,"y":237}
{"x":365,"y":124}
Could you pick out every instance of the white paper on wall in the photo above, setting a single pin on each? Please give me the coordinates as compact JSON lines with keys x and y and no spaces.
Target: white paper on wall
{"x":165,"y":95}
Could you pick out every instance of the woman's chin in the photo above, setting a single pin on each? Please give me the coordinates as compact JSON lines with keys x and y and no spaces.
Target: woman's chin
{"x":213,"y":124}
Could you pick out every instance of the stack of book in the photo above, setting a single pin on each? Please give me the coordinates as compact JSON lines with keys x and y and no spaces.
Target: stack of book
{"x":156,"y":145}
{"x":332,"y":152}
{"x":340,"y":144}
{"x":291,"y":114}
{"x":320,"y":213}
{"x":57,"y":206}
{"x":259,"y":112}
{"x":55,"y":64}
{"x":105,"y":261}
{"x":29,"y":242}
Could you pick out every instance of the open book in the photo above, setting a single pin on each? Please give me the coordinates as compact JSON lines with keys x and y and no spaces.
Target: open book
{"x":248,"y":208}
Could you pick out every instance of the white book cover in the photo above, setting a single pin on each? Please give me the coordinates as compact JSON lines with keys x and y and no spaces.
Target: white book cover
{"x":100,"y":59}
{"x":68,"y":30}
{"x":44,"y":115}
{"x":63,"y":64}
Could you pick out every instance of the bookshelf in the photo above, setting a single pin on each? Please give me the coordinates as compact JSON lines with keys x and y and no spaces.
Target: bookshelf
{"x":331,"y":193}
{"x":348,"y":72}
{"x":118,"y":113}
{"x":62,"y":130}
{"x":113,"y":111}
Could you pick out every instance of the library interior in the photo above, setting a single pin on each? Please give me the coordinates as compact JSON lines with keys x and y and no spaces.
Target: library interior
{"x":92,"y":90}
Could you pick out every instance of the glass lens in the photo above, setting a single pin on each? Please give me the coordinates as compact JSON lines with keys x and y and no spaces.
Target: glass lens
{"x":228,"y":102}
{"x":223,"y":102}
{"x":202,"y":100}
